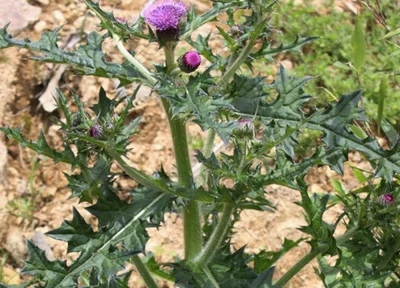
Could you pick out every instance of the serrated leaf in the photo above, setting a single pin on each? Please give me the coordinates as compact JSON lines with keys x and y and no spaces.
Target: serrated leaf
{"x":51,"y":272}
{"x":103,"y":107}
{"x":109,"y":22}
{"x":264,"y":280}
{"x":89,"y":58}
{"x":267,"y":51}
{"x":391,"y":134}
{"x":334,"y":121}
{"x":264,"y":260}
{"x":40,"y":146}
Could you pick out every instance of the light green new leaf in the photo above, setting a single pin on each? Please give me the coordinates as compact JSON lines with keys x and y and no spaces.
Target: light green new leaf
{"x":383,"y":91}
{"x":358,"y":44}
{"x":392,"y":33}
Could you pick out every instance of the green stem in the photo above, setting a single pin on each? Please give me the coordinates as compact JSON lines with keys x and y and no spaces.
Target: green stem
{"x":209,"y":144}
{"x":144,"y":273}
{"x":193,"y":236}
{"x":300,"y":265}
{"x":346,"y":236}
{"x":244,"y":53}
{"x":143,"y":70}
{"x":169,"y":57}
{"x":211,"y":277}
{"x":216,"y":238}
{"x":135,"y":174}
{"x":207,"y":150}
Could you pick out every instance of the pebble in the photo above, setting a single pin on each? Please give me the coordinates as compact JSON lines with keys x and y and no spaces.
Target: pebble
{"x":15,"y":244}
{"x":59,"y":16}
{"x":43,"y":2}
{"x":40,"y":26}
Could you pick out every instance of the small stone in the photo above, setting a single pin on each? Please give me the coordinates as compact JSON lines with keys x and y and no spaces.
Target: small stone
{"x":15,"y":244}
{"x":12,"y":172}
{"x":40,"y":240}
{"x":59,"y":16}
{"x":43,"y":2}
{"x":48,"y":191}
{"x":158,"y":147}
{"x":10,"y":276}
{"x":40,"y":26}
{"x":19,"y":13}
{"x":3,"y":159}
{"x":287,"y":64}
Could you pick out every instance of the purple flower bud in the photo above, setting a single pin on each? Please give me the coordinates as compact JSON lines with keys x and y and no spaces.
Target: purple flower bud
{"x":386,"y":199}
{"x":189,"y":61}
{"x":165,"y":17}
{"x":245,"y":124}
{"x":95,"y":131}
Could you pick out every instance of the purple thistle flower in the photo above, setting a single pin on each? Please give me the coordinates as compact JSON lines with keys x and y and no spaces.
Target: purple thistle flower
{"x":386,"y":199}
{"x":95,"y":131}
{"x":189,"y":61}
{"x":165,"y":17}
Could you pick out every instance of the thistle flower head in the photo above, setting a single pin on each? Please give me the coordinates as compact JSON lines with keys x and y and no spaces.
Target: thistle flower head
{"x":386,"y":199}
{"x":189,"y":61}
{"x":165,"y":15}
{"x":95,"y":131}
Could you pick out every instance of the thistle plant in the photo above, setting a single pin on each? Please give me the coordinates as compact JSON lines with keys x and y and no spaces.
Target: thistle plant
{"x":224,"y":98}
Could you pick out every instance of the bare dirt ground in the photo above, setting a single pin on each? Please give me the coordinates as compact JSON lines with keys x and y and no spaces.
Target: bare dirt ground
{"x":43,"y":184}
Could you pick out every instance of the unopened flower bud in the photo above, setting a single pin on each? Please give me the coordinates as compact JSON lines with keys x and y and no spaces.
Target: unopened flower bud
{"x":95,"y":131}
{"x":245,"y":124}
{"x":189,"y":61}
{"x":386,"y":199}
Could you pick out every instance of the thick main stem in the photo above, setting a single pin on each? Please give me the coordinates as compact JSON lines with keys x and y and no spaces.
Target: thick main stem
{"x":193,"y":236}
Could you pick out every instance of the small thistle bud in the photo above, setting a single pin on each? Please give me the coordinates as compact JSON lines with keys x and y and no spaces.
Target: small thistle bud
{"x":386,"y":199}
{"x":166,"y":18}
{"x":95,"y":131}
{"x":189,"y":61}
{"x":245,"y":124}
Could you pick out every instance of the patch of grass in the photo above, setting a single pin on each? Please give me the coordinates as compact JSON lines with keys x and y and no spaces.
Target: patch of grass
{"x":25,"y":205}
{"x":334,"y":29}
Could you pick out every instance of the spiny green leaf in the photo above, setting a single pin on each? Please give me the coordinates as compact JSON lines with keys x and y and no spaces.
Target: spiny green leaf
{"x":89,"y":58}
{"x":334,"y":121}
{"x":104,"y":105}
{"x":41,"y":147}
{"x":111,"y":24}
{"x":51,"y":272}
{"x":267,"y":51}
{"x":265,"y":259}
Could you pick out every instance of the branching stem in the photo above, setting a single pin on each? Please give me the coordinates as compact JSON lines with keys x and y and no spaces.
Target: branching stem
{"x":139,"y":66}
{"x":216,"y":238}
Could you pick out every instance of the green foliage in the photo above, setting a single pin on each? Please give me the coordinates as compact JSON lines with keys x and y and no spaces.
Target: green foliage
{"x":328,"y":58}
